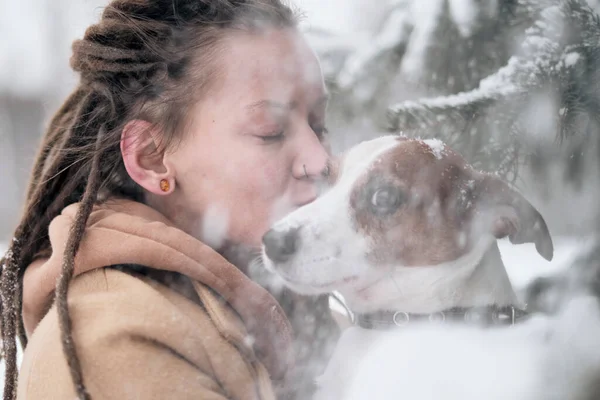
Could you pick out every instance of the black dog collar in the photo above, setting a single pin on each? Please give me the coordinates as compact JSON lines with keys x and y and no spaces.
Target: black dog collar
{"x":481,"y":316}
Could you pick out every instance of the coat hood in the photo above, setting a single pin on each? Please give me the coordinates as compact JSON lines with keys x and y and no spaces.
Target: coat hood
{"x":127,"y":232}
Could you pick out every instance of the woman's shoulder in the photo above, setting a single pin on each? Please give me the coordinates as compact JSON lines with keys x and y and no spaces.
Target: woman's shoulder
{"x":158,"y":305}
{"x":108,"y":304}
{"x":121,"y":320}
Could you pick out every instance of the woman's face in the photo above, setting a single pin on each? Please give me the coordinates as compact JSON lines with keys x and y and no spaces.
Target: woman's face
{"x":255,"y":148}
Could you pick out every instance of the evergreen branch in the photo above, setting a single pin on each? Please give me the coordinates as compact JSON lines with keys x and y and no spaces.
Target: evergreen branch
{"x":560,"y":56}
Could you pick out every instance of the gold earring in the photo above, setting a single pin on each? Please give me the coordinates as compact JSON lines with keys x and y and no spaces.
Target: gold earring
{"x":165,"y":185}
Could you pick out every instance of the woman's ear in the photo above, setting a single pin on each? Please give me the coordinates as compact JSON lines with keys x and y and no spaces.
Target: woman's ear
{"x":143,"y":161}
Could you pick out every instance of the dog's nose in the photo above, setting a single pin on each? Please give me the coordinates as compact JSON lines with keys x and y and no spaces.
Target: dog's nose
{"x":281,"y":245}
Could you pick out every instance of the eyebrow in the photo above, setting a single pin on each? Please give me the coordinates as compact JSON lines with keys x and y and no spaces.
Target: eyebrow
{"x":284,"y":106}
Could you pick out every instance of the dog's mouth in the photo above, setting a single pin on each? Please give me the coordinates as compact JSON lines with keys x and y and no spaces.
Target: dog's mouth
{"x":329,"y":284}
{"x":287,"y":272}
{"x":366,"y":291}
{"x":296,"y":263}
{"x":368,"y":286}
{"x":343,"y":281}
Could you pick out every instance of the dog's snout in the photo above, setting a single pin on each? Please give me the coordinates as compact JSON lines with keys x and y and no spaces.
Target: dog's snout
{"x":281,"y":245}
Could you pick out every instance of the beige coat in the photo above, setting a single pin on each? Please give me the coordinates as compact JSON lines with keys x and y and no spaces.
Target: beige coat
{"x":140,"y":339}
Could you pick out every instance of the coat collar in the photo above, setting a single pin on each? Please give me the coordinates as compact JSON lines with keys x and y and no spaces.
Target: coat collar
{"x":127,"y":232}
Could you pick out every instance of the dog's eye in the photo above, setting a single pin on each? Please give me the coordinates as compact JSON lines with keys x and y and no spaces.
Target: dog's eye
{"x":386,"y":200}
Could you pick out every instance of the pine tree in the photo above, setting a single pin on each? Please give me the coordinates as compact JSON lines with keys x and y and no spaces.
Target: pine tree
{"x":559,"y":59}
{"x":426,"y":49}
{"x":459,"y":80}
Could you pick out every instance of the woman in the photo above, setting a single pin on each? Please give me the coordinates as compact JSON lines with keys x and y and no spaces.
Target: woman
{"x":195,"y":125}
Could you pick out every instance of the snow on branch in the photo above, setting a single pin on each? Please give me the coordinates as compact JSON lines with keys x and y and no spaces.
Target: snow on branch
{"x":455,"y":109}
{"x":559,"y":61}
{"x":521,"y":74}
{"x":554,"y":48}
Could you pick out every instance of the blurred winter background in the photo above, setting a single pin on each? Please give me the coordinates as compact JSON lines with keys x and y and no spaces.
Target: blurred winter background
{"x":513,"y":85}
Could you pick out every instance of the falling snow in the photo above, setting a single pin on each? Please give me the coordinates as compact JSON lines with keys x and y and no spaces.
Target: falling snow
{"x":571,"y":59}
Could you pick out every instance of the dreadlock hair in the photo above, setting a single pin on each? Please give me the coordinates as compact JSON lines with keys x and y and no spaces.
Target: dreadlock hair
{"x":137,"y":62}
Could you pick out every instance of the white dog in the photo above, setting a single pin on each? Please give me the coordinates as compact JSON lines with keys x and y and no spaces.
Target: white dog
{"x":407,"y":235}
{"x":407,"y":226}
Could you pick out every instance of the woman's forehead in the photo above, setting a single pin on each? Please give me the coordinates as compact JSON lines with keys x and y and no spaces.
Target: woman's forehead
{"x":276,"y":65}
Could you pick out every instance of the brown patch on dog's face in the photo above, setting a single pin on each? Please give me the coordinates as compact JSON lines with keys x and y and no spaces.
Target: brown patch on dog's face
{"x":418,"y":206}
{"x":400,"y":204}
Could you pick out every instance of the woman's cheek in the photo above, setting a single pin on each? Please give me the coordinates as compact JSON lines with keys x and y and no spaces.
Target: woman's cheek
{"x":273,"y":176}
{"x":272,"y":195}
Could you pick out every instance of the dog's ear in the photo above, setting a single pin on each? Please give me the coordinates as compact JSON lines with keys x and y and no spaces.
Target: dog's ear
{"x":502,"y":211}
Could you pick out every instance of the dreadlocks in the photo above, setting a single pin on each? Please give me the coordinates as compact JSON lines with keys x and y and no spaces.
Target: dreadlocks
{"x":135,"y":63}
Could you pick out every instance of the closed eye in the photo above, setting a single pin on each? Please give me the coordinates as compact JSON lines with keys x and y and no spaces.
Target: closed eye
{"x":272,"y":138}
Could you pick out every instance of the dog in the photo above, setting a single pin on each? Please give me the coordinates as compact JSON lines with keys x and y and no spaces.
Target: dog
{"x":406,"y":233}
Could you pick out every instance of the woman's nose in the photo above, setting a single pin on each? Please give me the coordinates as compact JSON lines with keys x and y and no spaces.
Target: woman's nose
{"x":311,"y":161}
